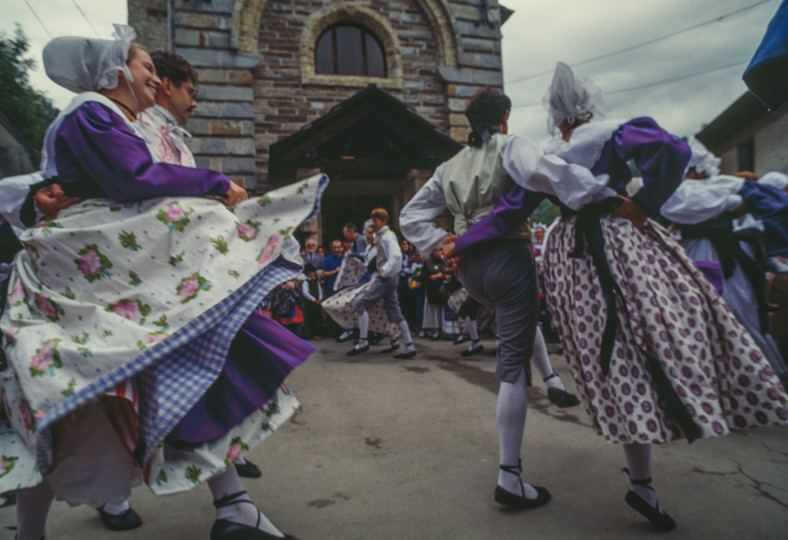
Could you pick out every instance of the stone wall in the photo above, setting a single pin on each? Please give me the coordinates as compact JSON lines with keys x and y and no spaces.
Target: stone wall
{"x":253,"y":58}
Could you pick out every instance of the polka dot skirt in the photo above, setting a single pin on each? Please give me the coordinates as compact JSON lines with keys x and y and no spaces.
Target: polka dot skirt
{"x":671,"y":311}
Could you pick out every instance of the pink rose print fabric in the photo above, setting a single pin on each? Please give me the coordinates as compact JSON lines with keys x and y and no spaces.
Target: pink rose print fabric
{"x":107,"y":285}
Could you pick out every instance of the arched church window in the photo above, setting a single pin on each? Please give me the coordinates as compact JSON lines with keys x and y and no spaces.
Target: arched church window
{"x":349,"y":49}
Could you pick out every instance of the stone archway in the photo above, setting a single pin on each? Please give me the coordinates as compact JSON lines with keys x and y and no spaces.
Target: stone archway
{"x":247,"y":14}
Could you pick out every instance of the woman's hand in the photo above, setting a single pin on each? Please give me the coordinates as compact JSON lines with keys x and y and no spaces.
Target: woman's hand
{"x":50,"y":200}
{"x":629,"y":209}
{"x":234,"y":195}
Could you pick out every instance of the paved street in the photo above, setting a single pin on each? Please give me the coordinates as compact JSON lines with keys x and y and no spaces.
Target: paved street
{"x":387,"y":449}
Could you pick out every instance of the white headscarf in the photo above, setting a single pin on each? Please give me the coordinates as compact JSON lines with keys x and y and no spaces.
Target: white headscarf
{"x":84,"y":64}
{"x":703,"y":160}
{"x":774,"y":179}
{"x":571,"y":98}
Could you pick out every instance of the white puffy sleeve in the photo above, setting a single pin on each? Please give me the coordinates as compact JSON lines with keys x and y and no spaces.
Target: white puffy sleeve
{"x":696,"y":201}
{"x":574,"y":185}
{"x":415,"y":220}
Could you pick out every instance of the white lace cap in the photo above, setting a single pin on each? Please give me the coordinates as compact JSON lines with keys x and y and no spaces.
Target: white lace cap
{"x":571,"y":98}
{"x":85,"y":64}
{"x":774,"y":179}
{"x":702,"y":159}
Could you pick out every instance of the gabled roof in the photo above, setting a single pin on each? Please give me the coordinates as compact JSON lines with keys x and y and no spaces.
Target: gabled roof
{"x":370,"y":134}
{"x":742,"y":113}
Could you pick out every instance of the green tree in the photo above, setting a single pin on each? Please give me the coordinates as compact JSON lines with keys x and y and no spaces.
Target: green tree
{"x":30,"y":111}
{"x":545,"y":213}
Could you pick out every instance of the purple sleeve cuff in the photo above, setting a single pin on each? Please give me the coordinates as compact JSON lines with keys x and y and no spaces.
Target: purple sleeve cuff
{"x":660,"y":157}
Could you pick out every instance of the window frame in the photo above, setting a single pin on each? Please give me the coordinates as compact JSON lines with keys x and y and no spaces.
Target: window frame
{"x":331,"y":31}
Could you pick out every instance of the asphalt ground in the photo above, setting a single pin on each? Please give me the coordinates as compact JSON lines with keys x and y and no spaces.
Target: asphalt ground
{"x":391,"y":449}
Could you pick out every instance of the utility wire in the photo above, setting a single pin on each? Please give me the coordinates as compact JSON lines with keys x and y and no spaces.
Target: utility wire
{"x":645,"y":43}
{"x":85,"y":17}
{"x":38,"y":18}
{"x":658,"y":83}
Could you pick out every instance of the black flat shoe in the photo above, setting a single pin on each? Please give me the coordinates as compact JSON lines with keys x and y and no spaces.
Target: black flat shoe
{"x":390,"y":349}
{"x":123,"y":522}
{"x":248,"y":470}
{"x":462,"y":338}
{"x":562,"y":398}
{"x":229,"y":530}
{"x":511,"y":500}
{"x":473,"y":350}
{"x":405,"y":355}
{"x":656,"y":515}
{"x":355,"y":351}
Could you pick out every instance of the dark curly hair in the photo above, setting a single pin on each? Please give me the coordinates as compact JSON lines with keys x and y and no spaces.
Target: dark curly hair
{"x":174,"y":67}
{"x":486,"y":110}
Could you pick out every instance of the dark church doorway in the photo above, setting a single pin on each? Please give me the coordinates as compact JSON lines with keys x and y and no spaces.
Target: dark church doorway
{"x":337,"y":210}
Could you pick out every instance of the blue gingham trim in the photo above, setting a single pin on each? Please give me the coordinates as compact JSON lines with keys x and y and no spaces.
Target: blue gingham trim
{"x":177,"y":371}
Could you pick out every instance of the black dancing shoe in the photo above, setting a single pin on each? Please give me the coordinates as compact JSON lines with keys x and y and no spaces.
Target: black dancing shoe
{"x":656,"y":515}
{"x":355,"y":351}
{"x":405,"y":355}
{"x":462,"y":338}
{"x":229,"y":530}
{"x":122,"y":522}
{"x":248,"y":469}
{"x":390,"y":349}
{"x":344,"y":336}
{"x":562,"y":398}
{"x":511,"y":500}
{"x":473,"y":350}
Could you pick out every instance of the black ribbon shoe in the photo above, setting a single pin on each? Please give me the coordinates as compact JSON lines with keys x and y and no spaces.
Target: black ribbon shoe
{"x":248,"y":469}
{"x":355,"y":351}
{"x":511,"y":500}
{"x":462,"y":338}
{"x":405,"y":355}
{"x":390,"y":349}
{"x":656,"y":515}
{"x":123,"y":522}
{"x":473,"y":350}
{"x":562,"y":398}
{"x":229,"y":530}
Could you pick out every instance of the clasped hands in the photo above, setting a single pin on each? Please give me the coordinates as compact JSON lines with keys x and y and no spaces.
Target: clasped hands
{"x":448,"y":251}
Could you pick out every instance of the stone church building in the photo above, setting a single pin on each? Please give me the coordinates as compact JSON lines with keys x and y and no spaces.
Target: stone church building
{"x":371,"y":92}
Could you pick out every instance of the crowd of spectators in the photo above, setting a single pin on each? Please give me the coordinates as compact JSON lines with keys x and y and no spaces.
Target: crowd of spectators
{"x":426,"y":283}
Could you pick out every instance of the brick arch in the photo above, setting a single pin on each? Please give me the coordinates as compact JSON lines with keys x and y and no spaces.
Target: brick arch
{"x":350,"y":12}
{"x":248,"y":13}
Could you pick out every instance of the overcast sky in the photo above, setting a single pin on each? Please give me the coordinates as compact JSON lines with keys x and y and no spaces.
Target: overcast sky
{"x":705,"y":63}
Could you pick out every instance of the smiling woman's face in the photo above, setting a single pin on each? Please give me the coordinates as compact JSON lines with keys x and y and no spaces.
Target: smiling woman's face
{"x":145,"y":83}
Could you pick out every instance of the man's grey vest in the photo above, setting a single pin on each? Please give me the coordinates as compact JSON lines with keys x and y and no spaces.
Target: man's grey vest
{"x":473,"y":181}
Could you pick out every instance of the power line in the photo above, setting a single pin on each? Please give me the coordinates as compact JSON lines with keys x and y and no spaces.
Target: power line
{"x":38,"y":18}
{"x":645,"y":43}
{"x":85,"y":17}
{"x":658,"y":83}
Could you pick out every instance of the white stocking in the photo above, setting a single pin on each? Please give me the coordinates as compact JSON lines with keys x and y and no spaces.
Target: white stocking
{"x":639,"y":462}
{"x":406,"y":339}
{"x":363,"y":326}
{"x":472,"y":329}
{"x":541,"y":362}
{"x":228,"y":483}
{"x":510,"y":416}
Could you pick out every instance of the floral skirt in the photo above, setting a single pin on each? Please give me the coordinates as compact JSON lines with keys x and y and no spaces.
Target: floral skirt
{"x":669,"y":311}
{"x":153,"y":292}
{"x":339,"y":306}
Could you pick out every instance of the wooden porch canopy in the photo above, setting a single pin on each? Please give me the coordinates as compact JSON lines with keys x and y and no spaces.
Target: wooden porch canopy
{"x":371,"y":134}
